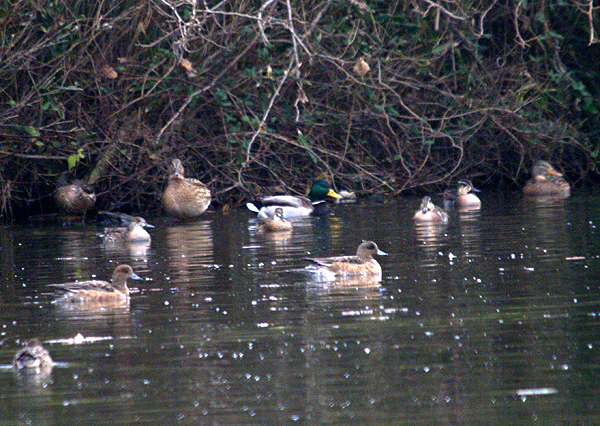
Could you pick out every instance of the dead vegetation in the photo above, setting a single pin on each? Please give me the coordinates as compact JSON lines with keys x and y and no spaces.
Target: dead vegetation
{"x":258,"y":96}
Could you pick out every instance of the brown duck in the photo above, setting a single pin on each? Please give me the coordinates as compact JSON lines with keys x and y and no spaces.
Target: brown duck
{"x":184,"y":198}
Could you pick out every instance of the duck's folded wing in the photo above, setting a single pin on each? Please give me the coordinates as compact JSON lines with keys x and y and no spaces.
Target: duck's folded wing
{"x":97,"y":285}
{"x":328,"y":261}
{"x":286,"y":200}
{"x":197,"y":184}
{"x":122,"y":218}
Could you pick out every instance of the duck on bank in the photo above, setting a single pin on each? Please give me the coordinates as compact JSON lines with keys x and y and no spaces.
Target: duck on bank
{"x":184,"y":198}
{"x":74,"y":198}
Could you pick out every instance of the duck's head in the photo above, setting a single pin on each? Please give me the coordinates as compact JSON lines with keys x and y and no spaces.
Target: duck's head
{"x":427,"y":204}
{"x":279,"y":213}
{"x":543,"y":170}
{"x":140,"y":221}
{"x":464,"y":186}
{"x":123,"y":272}
{"x":368,"y":249}
{"x":320,"y":190}
{"x":176,"y":168}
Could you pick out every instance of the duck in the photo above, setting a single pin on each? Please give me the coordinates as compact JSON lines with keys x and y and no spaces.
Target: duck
{"x":277,"y":223}
{"x":184,"y":198}
{"x":297,"y":206}
{"x":33,"y":358}
{"x":362,"y":263}
{"x":75,"y":198}
{"x":462,"y":196}
{"x":133,"y":233}
{"x":545,"y":180}
{"x":429,"y":212}
{"x":96,"y":291}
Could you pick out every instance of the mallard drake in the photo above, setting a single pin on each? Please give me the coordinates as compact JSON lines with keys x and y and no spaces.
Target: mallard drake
{"x":184,"y":198}
{"x":96,"y":291}
{"x":133,"y":233}
{"x":462,"y":196}
{"x":276,"y":223}
{"x":429,"y":212}
{"x":33,"y":358}
{"x":76,"y":197}
{"x":298,"y":206}
{"x":362,"y":263}
{"x":546,"y":181}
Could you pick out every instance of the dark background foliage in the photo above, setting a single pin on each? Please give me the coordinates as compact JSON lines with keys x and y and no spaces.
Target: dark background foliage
{"x":264,"y":96}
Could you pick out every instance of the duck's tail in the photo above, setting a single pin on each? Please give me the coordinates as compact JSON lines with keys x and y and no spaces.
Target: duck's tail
{"x":252,"y":207}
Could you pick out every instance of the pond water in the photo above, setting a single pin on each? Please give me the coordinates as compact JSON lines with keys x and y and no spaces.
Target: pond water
{"x":492,"y":319}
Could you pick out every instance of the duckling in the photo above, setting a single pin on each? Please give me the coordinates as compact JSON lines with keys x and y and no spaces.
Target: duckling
{"x":298,"y":206}
{"x":462,"y":196}
{"x":546,"y":181}
{"x":96,"y":291}
{"x":184,"y":198}
{"x":429,"y":212}
{"x":275,"y":224}
{"x":362,"y":263}
{"x":75,"y":198}
{"x":133,"y":233}
{"x":33,"y":358}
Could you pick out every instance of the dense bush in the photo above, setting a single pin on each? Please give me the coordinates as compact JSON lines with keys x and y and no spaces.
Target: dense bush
{"x":262,"y":96}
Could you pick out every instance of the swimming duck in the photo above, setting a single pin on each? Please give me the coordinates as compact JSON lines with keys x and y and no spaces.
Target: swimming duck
{"x":276,"y":223}
{"x":546,"y":181}
{"x":133,"y":233}
{"x":33,"y":358}
{"x":462,"y":196}
{"x":360,"y":264}
{"x":184,"y":198}
{"x":429,"y":212}
{"x":96,"y":291}
{"x":297,"y":206}
{"x":76,"y":198}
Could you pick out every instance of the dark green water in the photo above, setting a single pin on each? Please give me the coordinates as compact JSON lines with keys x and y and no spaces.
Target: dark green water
{"x":491,"y":320}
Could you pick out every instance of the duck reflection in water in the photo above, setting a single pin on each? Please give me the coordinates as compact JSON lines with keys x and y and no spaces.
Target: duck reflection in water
{"x":361,"y":264}
{"x":115,"y":292}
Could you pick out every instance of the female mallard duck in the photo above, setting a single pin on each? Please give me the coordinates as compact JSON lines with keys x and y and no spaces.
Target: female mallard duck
{"x":133,"y":233}
{"x":96,"y":291}
{"x":75,"y":198}
{"x":360,"y":264}
{"x":297,"y":206}
{"x":429,"y":212}
{"x":184,"y":198}
{"x":33,"y":358}
{"x":546,"y":181}
{"x":462,"y":196}
{"x":276,"y":223}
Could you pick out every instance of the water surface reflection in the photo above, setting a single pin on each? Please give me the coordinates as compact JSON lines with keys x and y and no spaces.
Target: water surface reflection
{"x":489,"y":319}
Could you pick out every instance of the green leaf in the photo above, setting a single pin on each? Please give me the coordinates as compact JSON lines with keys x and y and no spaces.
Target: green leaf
{"x":32,"y":131}
{"x":72,"y":160}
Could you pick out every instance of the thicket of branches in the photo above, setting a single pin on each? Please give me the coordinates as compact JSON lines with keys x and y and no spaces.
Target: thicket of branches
{"x":263,"y":96}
